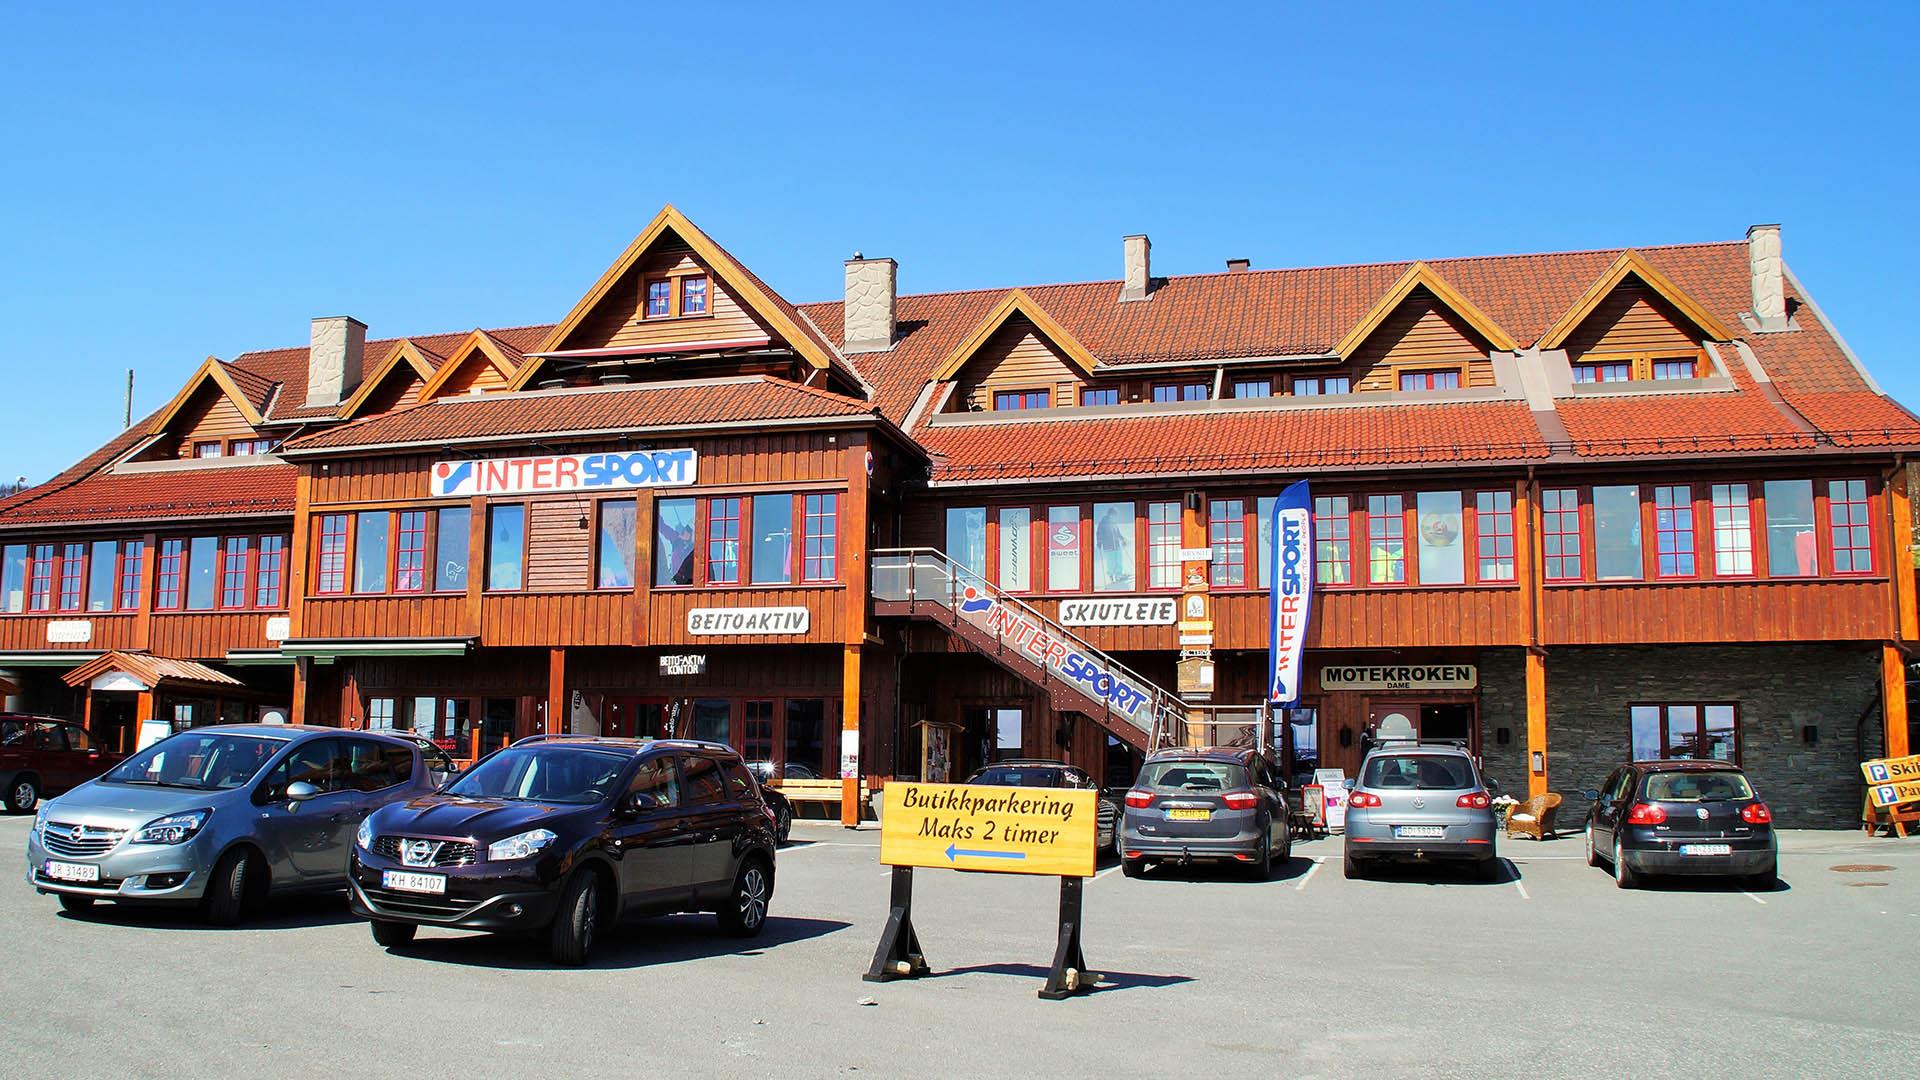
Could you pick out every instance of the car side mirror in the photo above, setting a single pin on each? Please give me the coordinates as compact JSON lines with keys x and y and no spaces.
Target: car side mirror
{"x":642,"y":801}
{"x":1492,"y":785}
{"x":300,"y":791}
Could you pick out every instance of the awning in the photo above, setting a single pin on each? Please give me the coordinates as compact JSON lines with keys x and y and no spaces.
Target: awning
{"x":328,"y":649}
{"x":142,"y":671}
{"x":256,"y":657}
{"x":48,"y":657}
{"x":7,"y":687}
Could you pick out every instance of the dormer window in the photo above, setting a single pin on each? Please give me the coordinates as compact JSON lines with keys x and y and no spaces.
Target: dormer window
{"x":1182,"y":391}
{"x":1322,"y":385}
{"x":1685,"y":367}
{"x":1019,"y":399}
{"x":1430,"y":380}
{"x":1252,"y":388}
{"x":693,"y":295}
{"x":250,"y":447}
{"x":210,"y":449}
{"x":1635,"y":367}
{"x":1100,"y":395}
{"x":659,"y":299}
{"x":1619,"y":371}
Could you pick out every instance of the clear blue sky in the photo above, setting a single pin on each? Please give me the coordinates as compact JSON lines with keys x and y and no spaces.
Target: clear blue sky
{"x":182,"y":183}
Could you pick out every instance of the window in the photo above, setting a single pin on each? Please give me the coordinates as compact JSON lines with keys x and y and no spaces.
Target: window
{"x":723,"y":541}
{"x":1063,"y":548}
{"x":703,"y":780}
{"x":821,"y":555}
{"x":1113,"y":547}
{"x":410,"y":553}
{"x":772,"y":540}
{"x":40,"y":591}
{"x":1386,"y":540}
{"x":13,"y":578}
{"x":1227,"y":535}
{"x":1671,"y":368}
{"x":1612,"y":371}
{"x":1333,"y":539}
{"x":101,"y":567}
{"x":250,"y":447}
{"x":1099,"y":395}
{"x":167,"y":573}
{"x":330,"y":563}
{"x":270,"y":572}
{"x":1697,"y":731}
{"x":1252,"y":388}
{"x":1493,"y":526}
{"x":370,"y":529}
{"x":1263,"y":541}
{"x":1616,"y":533}
{"x":1560,"y":533}
{"x":659,"y":303}
{"x":806,"y":734}
{"x":451,"y":532}
{"x":1430,"y":380}
{"x":1019,"y":399}
{"x":132,"y":565}
{"x":1847,"y":516}
{"x":1185,"y":391}
{"x":206,"y":449}
{"x":1163,"y":545}
{"x":233,"y":572}
{"x":203,"y":565}
{"x":1322,"y":386}
{"x":756,"y":742}
{"x":613,"y":558}
{"x":506,"y":546}
{"x":1441,"y":534}
{"x":1790,"y":537}
{"x":693,"y":294}
{"x":1016,"y":548}
{"x":380,"y":713}
{"x":1673,"y":530}
{"x":673,"y":542}
{"x":713,"y":719}
{"x":967,"y":538}
{"x":1732,"y":531}
{"x":73,"y":580}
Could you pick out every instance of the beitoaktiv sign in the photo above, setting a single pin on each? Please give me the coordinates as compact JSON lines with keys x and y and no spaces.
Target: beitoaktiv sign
{"x":1007,"y":830}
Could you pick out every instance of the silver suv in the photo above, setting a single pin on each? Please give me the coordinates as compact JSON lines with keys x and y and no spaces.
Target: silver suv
{"x":220,"y":816}
{"x":1419,"y":802}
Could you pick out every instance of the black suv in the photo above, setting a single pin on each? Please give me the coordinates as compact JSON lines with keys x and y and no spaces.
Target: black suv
{"x":563,"y":835}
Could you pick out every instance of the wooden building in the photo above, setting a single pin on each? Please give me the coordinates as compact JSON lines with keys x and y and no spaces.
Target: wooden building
{"x":1570,"y":508}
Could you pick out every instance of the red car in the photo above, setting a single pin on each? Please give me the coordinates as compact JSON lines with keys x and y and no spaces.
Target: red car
{"x":40,"y":756}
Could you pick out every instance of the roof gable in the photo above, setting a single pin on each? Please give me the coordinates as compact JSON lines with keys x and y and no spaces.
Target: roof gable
{"x":229,"y":380}
{"x":1632,"y":263}
{"x":1422,"y":276}
{"x":408,"y":356}
{"x":1016,"y":303}
{"x":478,"y":347}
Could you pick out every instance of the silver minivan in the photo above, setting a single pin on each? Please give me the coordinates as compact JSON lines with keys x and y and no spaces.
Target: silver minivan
{"x":221,"y":816}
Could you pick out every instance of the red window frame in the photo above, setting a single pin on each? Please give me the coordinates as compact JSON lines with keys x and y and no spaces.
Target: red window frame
{"x":1560,"y":520}
{"x":1163,"y":541}
{"x":73,"y":577}
{"x":41,"y":566}
{"x":169,"y":571}
{"x":821,"y":537}
{"x":1493,"y":524}
{"x":269,"y":572}
{"x":705,"y":293}
{"x":236,"y":557}
{"x":1387,"y":525}
{"x":200,"y":449}
{"x":1675,"y":532}
{"x":1744,"y":503}
{"x":1849,"y":527}
{"x":1332,"y":534}
{"x":1227,"y":536}
{"x":133,"y":557}
{"x":1674,"y":367}
{"x":665,"y":285}
{"x":726,"y":524}
{"x":1601,"y":371}
{"x":1435,"y":379}
{"x":410,"y":552}
{"x":1006,"y":400}
{"x":330,"y":556}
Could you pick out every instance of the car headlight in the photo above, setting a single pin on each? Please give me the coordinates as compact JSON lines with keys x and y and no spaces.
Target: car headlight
{"x":172,"y":829}
{"x":520,"y":846}
{"x":364,"y":835}
{"x":40,"y":822}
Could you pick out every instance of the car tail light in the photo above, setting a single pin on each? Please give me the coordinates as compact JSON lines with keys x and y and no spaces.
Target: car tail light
{"x":1756,"y":813}
{"x":1473,"y":800}
{"x":1361,"y":800}
{"x":1240,"y":800}
{"x":1646,"y":814}
{"x":1139,"y":800}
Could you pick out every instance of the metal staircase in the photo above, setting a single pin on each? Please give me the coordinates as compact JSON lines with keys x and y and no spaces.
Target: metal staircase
{"x":924,"y":583}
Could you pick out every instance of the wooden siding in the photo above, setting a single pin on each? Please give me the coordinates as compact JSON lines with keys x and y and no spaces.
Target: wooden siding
{"x":28,"y":633}
{"x":476,"y":374}
{"x":592,"y":618}
{"x":559,"y":550}
{"x":438,"y":615}
{"x":203,"y":635}
{"x":210,"y":417}
{"x":1715,"y":611}
{"x":1016,"y":357}
{"x":617,"y":320}
{"x":1422,"y":333}
{"x":1633,"y":319}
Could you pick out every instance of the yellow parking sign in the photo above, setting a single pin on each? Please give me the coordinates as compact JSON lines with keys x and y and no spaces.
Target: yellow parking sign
{"x":1007,"y":830}
{"x":1891,"y":770}
{"x":1885,"y":795}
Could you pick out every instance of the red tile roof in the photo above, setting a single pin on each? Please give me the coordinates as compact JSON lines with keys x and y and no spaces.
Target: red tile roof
{"x":197,"y":492}
{"x":288,"y":367}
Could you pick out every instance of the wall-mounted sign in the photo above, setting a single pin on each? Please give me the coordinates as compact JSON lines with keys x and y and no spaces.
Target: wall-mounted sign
{"x":69,"y":631}
{"x":748,"y":620}
{"x":1193,"y":674}
{"x":683,"y":664}
{"x":1188,"y":554}
{"x":279,"y":628}
{"x":565,"y":472}
{"x":1399,"y":677}
{"x":1196,"y":641}
{"x":1016,"y":628}
{"x":118,"y":681}
{"x":1119,"y":611}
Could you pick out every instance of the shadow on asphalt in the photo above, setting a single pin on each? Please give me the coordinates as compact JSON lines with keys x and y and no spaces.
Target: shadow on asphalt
{"x":279,"y":913}
{"x":1438,"y":872}
{"x":1688,"y":884}
{"x":1295,"y":867}
{"x":1109,"y":980}
{"x":646,"y":943}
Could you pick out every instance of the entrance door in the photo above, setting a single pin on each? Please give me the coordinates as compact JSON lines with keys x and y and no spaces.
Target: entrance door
{"x":636,"y":717}
{"x":1450,"y":720}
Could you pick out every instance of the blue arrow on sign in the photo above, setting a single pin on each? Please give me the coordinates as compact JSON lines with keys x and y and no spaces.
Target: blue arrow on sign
{"x":953,"y":851}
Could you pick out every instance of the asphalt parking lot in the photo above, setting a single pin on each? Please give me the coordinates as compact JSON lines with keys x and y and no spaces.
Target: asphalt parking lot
{"x":1552,"y":972}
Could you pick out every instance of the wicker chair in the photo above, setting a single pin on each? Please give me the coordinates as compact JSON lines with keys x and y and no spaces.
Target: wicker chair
{"x":1535,"y":816}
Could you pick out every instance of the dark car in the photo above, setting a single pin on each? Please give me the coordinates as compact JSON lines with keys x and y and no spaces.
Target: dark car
{"x":1681,"y":817}
{"x":763,"y":771}
{"x":1042,"y":772}
{"x":440,"y":764}
{"x":1216,"y":803}
{"x":40,"y":755}
{"x":563,"y":835}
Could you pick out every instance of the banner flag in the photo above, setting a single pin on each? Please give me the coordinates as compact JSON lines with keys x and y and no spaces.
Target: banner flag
{"x":1291,"y":599}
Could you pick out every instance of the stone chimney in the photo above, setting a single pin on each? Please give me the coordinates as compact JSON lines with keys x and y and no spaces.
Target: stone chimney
{"x":872,"y":286}
{"x":1238,"y":266}
{"x":1138,"y":283}
{"x":1769,"y":277}
{"x":339,"y":343}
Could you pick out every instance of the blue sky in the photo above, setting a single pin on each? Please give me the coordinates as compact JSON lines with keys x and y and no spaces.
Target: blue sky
{"x":182,"y":183}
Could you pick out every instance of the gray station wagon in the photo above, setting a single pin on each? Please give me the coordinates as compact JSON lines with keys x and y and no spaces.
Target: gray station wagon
{"x":221,"y":816}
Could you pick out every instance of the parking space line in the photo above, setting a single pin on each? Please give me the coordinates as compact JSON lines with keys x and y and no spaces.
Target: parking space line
{"x":1754,"y":898}
{"x":1520,"y":885}
{"x":1107,"y":871}
{"x":1301,"y":885}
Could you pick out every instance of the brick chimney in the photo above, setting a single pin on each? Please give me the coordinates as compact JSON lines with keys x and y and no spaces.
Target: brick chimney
{"x":1238,"y":266}
{"x":339,"y":343}
{"x":1769,"y":277}
{"x":1138,"y":283}
{"x":872,"y":287}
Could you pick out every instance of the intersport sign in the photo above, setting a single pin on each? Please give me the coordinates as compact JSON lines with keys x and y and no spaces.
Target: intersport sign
{"x":539,"y":473}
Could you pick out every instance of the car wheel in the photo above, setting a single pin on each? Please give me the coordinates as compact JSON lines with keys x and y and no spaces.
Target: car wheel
{"x":392,"y":935}
{"x":1286,"y":846}
{"x":1766,"y":880}
{"x":571,"y":938}
{"x":1623,"y":875}
{"x":1263,"y":866}
{"x":22,"y":795}
{"x":226,"y":899}
{"x":783,"y":821}
{"x":1351,"y":867}
{"x":745,"y":914}
{"x":1133,"y":867}
{"x":74,"y":903}
{"x":1593,"y":854}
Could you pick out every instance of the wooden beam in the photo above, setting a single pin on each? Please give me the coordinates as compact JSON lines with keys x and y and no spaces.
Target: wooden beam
{"x":1017,"y":302}
{"x":302,"y":676}
{"x":1536,"y":722}
{"x":1900,"y":568}
{"x":1893,"y":700}
{"x":556,"y":691}
{"x":850,"y":726}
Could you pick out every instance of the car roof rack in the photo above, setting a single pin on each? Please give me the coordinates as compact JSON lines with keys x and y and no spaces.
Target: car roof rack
{"x":1458,"y":744}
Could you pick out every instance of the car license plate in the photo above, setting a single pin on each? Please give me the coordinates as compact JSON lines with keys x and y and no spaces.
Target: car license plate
{"x":1419,"y":832}
{"x":1706,"y":849}
{"x":402,"y":881}
{"x":1189,"y":815}
{"x":71,"y":871}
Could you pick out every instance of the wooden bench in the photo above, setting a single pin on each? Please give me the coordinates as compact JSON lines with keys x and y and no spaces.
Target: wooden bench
{"x":820,"y":793}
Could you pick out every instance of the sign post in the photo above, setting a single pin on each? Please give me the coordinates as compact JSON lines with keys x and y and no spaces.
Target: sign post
{"x":1002,"y":830}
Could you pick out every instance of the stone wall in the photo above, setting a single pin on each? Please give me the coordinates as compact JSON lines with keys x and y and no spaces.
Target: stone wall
{"x":1503,"y":705}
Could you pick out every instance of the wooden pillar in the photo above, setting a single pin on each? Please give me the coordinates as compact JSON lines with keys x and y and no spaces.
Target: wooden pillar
{"x":86,"y":712}
{"x":556,"y":691}
{"x":855,"y":534}
{"x":850,"y":732}
{"x":143,"y":618}
{"x":1536,"y":723}
{"x":476,"y":563}
{"x":302,"y":676}
{"x":1900,"y":565}
{"x":297,"y":560}
{"x":1893,"y":700}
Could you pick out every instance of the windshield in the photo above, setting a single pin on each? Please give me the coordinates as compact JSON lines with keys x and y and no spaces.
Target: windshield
{"x":1697,"y":787}
{"x":571,"y":775}
{"x":1015,"y":776}
{"x":206,"y":761}
{"x":1193,"y":775}
{"x":1418,"y":772}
